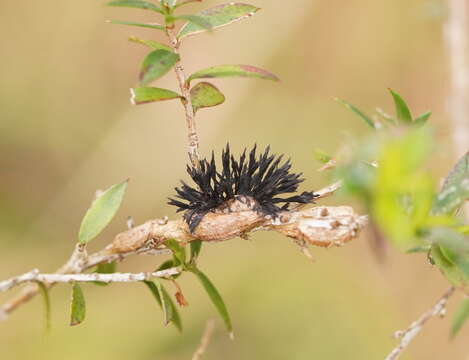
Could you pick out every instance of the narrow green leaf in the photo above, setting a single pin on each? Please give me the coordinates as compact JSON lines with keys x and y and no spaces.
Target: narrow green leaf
{"x":106,"y":268}
{"x":218,"y":16}
{"x":197,"y":20}
{"x":78,"y":308}
{"x":47,"y":308}
{"x":321,"y":156}
{"x":139,"y":4}
{"x":131,"y":23}
{"x":402,"y":110}
{"x":422,"y":119}
{"x":223,"y":71}
{"x":145,"y":95}
{"x":196,"y":246}
{"x":155,"y":45}
{"x":166,"y":303}
{"x":101,"y":212}
{"x":419,"y":249}
{"x":185,"y":2}
{"x":156,"y":64}
{"x":205,"y":95}
{"x":455,"y":190}
{"x":358,"y":112}
{"x":460,"y":317}
{"x":214,"y":296}
{"x":179,"y":252}
{"x":161,"y":297}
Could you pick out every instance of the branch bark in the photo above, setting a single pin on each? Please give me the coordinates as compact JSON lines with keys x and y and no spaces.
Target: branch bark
{"x":36,"y":276}
{"x":192,"y":137}
{"x":408,"y":335}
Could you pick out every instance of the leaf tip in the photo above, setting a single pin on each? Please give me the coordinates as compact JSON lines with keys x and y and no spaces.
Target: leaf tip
{"x":132,"y":101}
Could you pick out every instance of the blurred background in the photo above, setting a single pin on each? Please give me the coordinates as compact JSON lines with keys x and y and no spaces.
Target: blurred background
{"x":67,"y":129}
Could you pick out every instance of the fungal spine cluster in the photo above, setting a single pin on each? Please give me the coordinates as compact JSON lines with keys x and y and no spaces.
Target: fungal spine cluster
{"x":251,"y":183}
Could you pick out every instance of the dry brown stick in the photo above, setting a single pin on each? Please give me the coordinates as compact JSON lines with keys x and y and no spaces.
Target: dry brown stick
{"x":408,"y":335}
{"x":192,"y":137}
{"x":205,"y":340}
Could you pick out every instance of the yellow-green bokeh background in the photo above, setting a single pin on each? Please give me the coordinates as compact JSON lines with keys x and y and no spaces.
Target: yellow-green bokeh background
{"x":67,"y":129}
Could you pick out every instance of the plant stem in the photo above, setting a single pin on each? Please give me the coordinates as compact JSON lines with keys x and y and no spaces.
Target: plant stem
{"x":192,"y":137}
{"x":408,"y":335}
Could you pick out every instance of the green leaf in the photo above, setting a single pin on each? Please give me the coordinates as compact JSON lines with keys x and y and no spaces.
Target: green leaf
{"x":166,"y":303}
{"x":197,"y":20}
{"x":455,"y":190}
{"x":156,"y":64}
{"x":155,"y":45}
{"x":145,"y":95}
{"x":460,"y":317}
{"x":214,"y":296}
{"x":131,"y":23}
{"x":101,"y":212}
{"x":157,"y":290}
{"x":422,"y":119}
{"x":321,"y":156}
{"x":106,"y":268}
{"x":402,"y":110}
{"x":358,"y":112}
{"x":419,"y":249}
{"x":185,"y":2}
{"x":136,"y":4}
{"x":218,"y":16}
{"x":223,"y":71}
{"x":196,"y":246}
{"x":205,"y":95}
{"x":179,"y":252}
{"x":78,"y":310}
{"x":47,"y":308}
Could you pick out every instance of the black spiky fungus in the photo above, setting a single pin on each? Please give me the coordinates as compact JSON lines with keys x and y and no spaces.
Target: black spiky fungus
{"x":255,"y":180}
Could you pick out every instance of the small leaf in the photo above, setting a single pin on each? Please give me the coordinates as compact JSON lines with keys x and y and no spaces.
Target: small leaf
{"x":131,"y":23}
{"x":205,"y":95}
{"x":105,"y":268}
{"x":155,"y":45}
{"x":218,"y":16}
{"x":156,"y":64}
{"x":179,"y":252}
{"x":185,"y":2}
{"x":47,"y":309}
{"x":169,"y":308}
{"x":101,"y":212}
{"x":157,"y":290}
{"x":214,"y":296}
{"x":455,"y":190}
{"x":419,"y":249}
{"x":136,"y":4}
{"x":358,"y":112}
{"x":197,"y":20}
{"x":321,"y":156}
{"x":222,"y":71}
{"x":145,"y":95}
{"x":196,"y":246}
{"x":78,"y":310}
{"x":422,"y":119}
{"x":402,"y":110}
{"x":460,"y":317}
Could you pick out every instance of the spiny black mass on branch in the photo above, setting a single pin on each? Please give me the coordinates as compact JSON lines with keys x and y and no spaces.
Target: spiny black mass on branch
{"x":255,"y":180}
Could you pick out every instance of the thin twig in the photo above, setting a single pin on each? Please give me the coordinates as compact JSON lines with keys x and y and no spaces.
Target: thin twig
{"x":328,"y":190}
{"x":35,"y":275}
{"x":205,"y":340}
{"x":192,"y":137}
{"x":100,"y":257}
{"x":408,"y":335}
